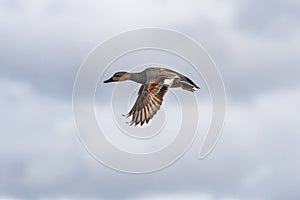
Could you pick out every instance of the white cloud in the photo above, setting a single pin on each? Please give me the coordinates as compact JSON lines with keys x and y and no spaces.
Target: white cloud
{"x":258,"y":147}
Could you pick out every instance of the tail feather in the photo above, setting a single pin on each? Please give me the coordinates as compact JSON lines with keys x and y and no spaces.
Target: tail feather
{"x":186,"y":86}
{"x":190,"y":82}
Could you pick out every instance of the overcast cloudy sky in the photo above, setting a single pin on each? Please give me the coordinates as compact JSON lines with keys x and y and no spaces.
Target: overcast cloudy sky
{"x":254,"y":43}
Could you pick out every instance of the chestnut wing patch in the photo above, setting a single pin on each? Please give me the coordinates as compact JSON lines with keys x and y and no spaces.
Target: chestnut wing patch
{"x":148,"y":102}
{"x":152,"y":86}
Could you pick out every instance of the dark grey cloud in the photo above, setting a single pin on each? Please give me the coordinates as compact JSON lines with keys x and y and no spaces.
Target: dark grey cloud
{"x":273,"y":19}
{"x":45,"y":44}
{"x":252,"y":61}
{"x":48,"y":64}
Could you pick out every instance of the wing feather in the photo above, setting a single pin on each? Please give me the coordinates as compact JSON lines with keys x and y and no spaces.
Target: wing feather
{"x":150,"y":97}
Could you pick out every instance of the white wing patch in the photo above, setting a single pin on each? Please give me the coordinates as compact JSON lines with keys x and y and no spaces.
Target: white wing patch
{"x":168,"y":81}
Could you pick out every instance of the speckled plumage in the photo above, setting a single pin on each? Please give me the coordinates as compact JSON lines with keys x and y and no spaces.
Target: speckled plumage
{"x":155,"y":84}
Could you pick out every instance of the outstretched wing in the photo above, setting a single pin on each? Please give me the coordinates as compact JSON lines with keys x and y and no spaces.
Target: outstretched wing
{"x":148,"y":102}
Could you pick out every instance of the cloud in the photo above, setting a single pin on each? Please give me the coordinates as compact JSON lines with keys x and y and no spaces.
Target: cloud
{"x":275,"y":19}
{"x":254,"y":159}
{"x":255,"y":45}
{"x":182,"y":196}
{"x":44,"y":43}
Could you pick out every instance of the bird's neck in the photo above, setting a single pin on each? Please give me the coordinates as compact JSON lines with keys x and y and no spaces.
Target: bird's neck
{"x":138,"y":77}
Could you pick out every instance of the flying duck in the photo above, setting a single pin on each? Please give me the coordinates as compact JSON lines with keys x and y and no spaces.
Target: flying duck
{"x":155,"y":84}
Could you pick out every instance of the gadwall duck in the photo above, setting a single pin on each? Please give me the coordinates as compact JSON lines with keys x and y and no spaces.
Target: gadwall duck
{"x":155,"y":83}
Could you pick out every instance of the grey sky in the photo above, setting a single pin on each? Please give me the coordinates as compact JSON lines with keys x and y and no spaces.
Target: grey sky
{"x":255,"y":44}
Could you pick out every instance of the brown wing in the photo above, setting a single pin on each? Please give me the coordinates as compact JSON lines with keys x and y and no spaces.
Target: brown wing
{"x":148,"y":102}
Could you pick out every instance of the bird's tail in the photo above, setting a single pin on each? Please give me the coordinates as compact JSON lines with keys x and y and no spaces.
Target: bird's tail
{"x":190,"y":82}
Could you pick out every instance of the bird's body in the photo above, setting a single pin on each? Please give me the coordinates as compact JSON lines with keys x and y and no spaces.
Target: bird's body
{"x":155,"y":83}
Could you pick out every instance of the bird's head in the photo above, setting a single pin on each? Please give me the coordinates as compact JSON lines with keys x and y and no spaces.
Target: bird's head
{"x":119,"y":76}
